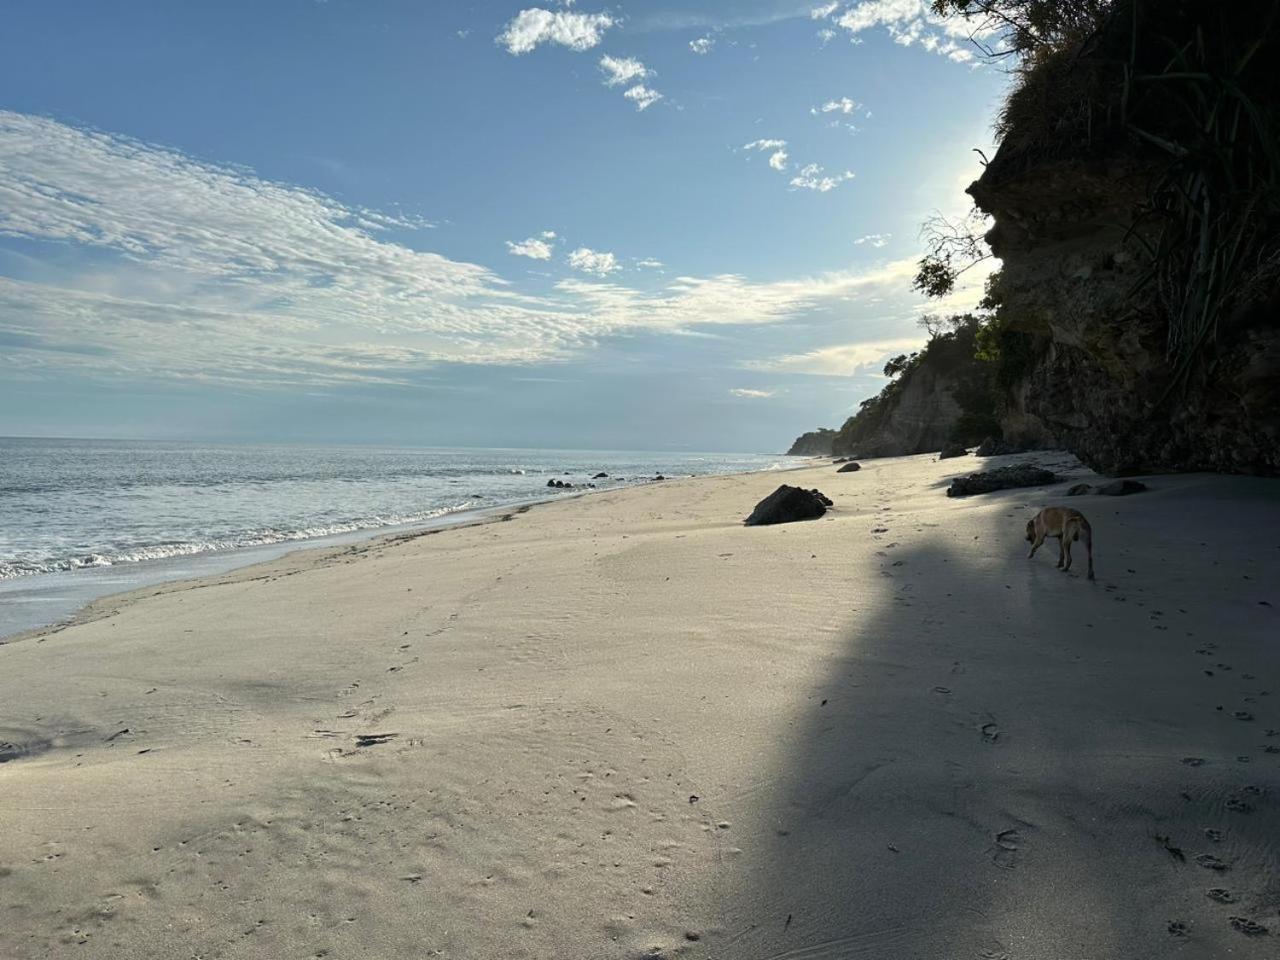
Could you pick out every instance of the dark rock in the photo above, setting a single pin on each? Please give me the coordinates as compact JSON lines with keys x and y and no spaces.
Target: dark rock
{"x":1002,"y":478}
{"x":987,"y":448}
{"x":1121,"y":488}
{"x":850,"y":467}
{"x":952,"y":450}
{"x":553,"y":483}
{"x":788,"y":504}
{"x":826,"y":501}
{"x":1079,"y":490}
{"x":659,"y":477}
{"x":840,"y":460}
{"x":600,"y":476}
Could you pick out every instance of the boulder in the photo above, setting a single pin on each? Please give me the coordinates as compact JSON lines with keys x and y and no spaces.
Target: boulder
{"x":952,"y":450}
{"x":850,"y":467}
{"x":1121,"y":488}
{"x":1002,"y":478}
{"x":600,"y":476}
{"x":553,"y":483}
{"x":659,"y":477}
{"x":788,"y":504}
{"x":1079,"y":490}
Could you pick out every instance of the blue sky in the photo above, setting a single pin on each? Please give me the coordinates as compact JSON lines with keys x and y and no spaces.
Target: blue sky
{"x":645,"y":224}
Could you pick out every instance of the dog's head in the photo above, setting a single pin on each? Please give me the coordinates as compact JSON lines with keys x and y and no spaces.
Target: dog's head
{"x":1031,"y":531}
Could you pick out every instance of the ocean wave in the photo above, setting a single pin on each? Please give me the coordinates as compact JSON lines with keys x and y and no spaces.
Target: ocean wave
{"x":10,"y":569}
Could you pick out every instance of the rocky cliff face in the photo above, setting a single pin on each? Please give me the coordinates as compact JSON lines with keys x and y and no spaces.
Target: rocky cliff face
{"x":815,"y":443}
{"x":1103,"y":383}
{"x":1136,"y":197}
{"x":920,"y":419}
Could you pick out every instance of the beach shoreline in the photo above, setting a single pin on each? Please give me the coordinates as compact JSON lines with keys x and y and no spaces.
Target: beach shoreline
{"x":65,"y":595}
{"x":628,"y":726}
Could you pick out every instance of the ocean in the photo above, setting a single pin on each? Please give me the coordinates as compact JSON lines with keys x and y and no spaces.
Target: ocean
{"x":80,"y":519}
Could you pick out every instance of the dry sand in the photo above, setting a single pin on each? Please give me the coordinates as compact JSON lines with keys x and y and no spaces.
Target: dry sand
{"x":627,"y":726}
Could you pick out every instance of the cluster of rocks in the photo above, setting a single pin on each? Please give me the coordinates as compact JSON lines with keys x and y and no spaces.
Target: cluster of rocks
{"x":953,"y":450}
{"x":850,"y":467}
{"x":788,"y":504}
{"x":1002,"y":478}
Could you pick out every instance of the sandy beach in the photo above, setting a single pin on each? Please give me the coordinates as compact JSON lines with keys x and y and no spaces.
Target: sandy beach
{"x":626,"y":726}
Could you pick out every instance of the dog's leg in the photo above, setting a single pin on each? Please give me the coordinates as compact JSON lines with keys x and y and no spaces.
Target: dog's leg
{"x":1036,"y":545}
{"x":1087,"y":532}
{"x":1066,"y":550}
{"x":1062,"y":550}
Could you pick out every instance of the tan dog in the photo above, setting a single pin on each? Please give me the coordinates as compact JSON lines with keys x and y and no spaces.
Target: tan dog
{"x":1068,"y":526}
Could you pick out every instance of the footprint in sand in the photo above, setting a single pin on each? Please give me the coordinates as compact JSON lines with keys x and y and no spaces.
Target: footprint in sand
{"x":1007,"y":844}
{"x":990,"y":732}
{"x":1220,"y":895}
{"x":1250,"y":928}
{"x":1210,"y":862}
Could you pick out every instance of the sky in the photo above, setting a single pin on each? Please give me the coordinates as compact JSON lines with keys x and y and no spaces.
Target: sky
{"x":638,"y":225}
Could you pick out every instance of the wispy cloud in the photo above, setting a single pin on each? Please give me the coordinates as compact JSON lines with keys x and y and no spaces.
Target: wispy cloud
{"x":841,"y":360}
{"x":703,"y":45}
{"x":876,"y":240}
{"x":598,"y":262}
{"x":775,"y":148}
{"x":535,"y":248}
{"x":643,"y":97}
{"x":814,"y":177}
{"x":824,"y":11}
{"x":747,"y":393}
{"x":183,"y":268}
{"x":535,"y":26}
{"x":844,"y":105}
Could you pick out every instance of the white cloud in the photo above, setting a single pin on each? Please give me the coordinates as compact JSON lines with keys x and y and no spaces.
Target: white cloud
{"x":842,"y":360}
{"x":171,"y":267}
{"x":764,"y":145}
{"x":814,"y":177}
{"x":627,"y":70}
{"x":592,"y":261}
{"x":778,"y":160}
{"x":702,"y":46}
{"x":622,"y":70}
{"x":535,"y":248}
{"x":876,"y":240}
{"x":826,"y":35}
{"x":648,"y":263}
{"x":643,"y":97}
{"x":843,"y":105}
{"x":749,"y":394}
{"x":824,"y":11}
{"x":535,"y":26}
{"x":913,"y":21}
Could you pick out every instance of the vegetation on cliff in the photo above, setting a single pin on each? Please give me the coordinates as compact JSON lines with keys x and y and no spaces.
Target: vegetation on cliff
{"x":815,"y":443}
{"x":952,"y":362}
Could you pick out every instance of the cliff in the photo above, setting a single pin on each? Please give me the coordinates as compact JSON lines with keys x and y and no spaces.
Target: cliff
{"x":815,"y":443}
{"x":1139,"y":243}
{"x":940,"y":394}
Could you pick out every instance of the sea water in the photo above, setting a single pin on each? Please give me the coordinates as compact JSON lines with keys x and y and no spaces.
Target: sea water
{"x":83,"y":518}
